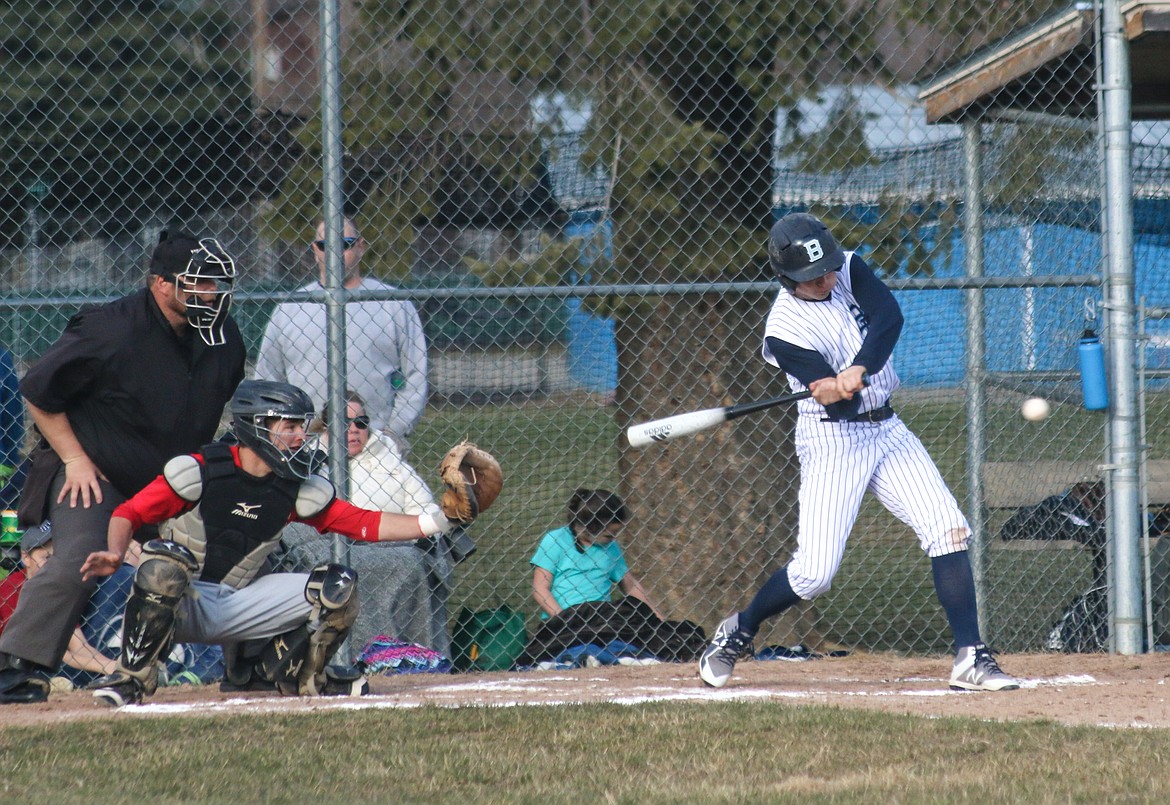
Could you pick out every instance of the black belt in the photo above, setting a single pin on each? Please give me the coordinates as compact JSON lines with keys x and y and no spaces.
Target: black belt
{"x":872,"y":415}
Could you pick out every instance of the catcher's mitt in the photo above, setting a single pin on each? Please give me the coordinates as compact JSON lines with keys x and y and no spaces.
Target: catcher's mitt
{"x":473,"y":479}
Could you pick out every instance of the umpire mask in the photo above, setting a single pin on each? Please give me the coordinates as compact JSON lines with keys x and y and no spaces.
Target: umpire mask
{"x":207,"y":284}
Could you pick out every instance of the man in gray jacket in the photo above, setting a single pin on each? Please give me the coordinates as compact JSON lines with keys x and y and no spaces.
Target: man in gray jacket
{"x":385,"y":348}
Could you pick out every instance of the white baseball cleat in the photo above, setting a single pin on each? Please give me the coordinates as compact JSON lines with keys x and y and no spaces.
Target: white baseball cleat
{"x":727,"y":646}
{"x":976,"y":669}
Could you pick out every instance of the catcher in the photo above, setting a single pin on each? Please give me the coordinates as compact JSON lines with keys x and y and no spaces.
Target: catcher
{"x":222,"y":511}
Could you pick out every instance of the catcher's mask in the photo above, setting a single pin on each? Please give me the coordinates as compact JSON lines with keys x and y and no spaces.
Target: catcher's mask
{"x":254,"y":405}
{"x":801,"y":248}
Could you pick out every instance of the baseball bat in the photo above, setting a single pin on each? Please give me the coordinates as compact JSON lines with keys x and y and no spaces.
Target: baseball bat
{"x":672,"y":427}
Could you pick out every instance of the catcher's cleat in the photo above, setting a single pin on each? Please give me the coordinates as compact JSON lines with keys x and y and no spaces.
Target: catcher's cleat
{"x":117,"y":690}
{"x":251,"y":684}
{"x":342,"y":680}
{"x":976,"y":669}
{"x":728,"y":645}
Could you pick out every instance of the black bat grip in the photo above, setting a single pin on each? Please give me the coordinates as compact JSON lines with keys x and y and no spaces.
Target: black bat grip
{"x":743,"y":409}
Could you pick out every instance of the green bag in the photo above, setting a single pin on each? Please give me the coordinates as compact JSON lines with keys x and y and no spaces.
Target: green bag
{"x":488,"y":639}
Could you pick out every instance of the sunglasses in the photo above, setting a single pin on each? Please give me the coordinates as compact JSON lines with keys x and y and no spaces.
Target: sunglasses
{"x":362,"y":422}
{"x":349,"y":243}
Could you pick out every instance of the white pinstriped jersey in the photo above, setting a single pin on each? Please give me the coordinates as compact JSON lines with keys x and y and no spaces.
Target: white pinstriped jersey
{"x":834,"y":327}
{"x":842,"y":460}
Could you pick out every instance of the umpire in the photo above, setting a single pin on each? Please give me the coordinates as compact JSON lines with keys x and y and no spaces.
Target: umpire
{"x":127,"y":386}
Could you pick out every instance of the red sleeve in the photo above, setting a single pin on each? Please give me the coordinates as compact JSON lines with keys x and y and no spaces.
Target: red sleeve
{"x":341,"y":517}
{"x":155,"y":503}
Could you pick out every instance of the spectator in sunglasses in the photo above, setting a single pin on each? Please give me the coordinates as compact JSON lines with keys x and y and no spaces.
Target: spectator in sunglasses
{"x":386,"y":356}
{"x":404,"y":586}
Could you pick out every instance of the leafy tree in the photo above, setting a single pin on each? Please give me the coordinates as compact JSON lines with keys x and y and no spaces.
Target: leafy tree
{"x":681,"y":97}
{"x":126,"y":109}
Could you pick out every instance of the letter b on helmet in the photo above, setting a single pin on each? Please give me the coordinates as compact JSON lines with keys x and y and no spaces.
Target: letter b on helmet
{"x":801,"y":248}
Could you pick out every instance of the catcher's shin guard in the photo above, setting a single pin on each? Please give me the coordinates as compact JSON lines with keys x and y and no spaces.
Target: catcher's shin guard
{"x":149,"y":625}
{"x":295,"y":661}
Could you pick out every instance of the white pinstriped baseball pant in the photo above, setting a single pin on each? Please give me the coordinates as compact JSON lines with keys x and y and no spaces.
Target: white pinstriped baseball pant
{"x":839,"y":462}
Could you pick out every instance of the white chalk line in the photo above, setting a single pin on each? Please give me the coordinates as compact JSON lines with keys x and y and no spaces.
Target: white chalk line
{"x":544,"y":692}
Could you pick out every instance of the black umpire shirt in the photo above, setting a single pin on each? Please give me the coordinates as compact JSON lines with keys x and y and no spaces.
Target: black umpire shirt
{"x":136,"y":393}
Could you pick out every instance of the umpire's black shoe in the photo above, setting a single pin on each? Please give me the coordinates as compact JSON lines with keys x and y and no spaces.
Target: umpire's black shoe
{"x":244,"y":676}
{"x":117,"y":690}
{"x":23,"y":682}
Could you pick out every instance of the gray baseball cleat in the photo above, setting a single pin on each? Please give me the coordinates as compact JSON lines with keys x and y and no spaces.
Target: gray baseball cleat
{"x":117,"y":690}
{"x":976,"y":669}
{"x":728,"y":645}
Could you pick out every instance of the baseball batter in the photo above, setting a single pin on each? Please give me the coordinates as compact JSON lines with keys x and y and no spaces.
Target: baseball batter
{"x":835,"y":324}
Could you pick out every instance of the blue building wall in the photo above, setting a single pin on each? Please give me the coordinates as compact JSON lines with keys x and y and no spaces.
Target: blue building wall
{"x":1026,"y":329}
{"x":592,"y":346}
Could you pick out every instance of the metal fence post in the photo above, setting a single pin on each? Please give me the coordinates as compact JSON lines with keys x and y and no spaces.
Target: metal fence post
{"x":1114,"y":99}
{"x":976,"y":370}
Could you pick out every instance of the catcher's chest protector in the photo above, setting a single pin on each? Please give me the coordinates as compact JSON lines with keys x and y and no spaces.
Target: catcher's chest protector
{"x":238,"y":518}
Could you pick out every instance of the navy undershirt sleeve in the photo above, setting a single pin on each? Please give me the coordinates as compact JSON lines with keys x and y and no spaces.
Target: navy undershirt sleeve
{"x":882,"y":312}
{"x":807,"y":365}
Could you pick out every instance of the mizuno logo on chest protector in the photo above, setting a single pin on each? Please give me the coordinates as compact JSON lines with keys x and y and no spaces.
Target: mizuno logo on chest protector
{"x":246,"y":510}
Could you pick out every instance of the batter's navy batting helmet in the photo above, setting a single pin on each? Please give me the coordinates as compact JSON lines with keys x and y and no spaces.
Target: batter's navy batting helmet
{"x":801,"y":248}
{"x":257,"y":401}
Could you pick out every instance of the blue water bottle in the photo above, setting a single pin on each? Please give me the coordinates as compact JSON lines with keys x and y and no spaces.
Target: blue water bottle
{"x":1093,"y":385}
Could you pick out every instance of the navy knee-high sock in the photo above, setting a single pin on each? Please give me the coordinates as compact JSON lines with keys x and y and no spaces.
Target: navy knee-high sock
{"x":773,"y":598}
{"x":955,"y":587}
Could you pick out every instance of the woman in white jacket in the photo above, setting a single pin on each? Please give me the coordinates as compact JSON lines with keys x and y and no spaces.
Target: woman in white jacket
{"x":404,"y":586}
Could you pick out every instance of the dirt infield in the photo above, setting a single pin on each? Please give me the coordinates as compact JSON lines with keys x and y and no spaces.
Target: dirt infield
{"x":1072,"y":689}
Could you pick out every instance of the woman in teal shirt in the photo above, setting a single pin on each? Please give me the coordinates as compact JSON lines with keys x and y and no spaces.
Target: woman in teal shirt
{"x":582,"y":561}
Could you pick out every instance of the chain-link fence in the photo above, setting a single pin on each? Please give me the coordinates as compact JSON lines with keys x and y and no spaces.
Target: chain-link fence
{"x":556,"y":226}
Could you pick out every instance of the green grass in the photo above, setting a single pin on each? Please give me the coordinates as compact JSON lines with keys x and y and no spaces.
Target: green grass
{"x":709,"y":753}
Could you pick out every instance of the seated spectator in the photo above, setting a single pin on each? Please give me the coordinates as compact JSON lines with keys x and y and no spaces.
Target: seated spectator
{"x":582,"y":561}
{"x":1077,"y":514}
{"x":575,"y":569}
{"x":13,"y":466}
{"x":36,"y":546}
{"x":98,"y":638}
{"x":404,"y":586}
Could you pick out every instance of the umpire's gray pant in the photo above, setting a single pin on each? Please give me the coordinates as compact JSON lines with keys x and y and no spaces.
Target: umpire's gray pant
{"x":52,"y":601}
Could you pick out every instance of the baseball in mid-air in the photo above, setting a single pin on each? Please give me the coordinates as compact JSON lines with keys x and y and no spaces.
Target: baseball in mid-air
{"x":1035,"y":409}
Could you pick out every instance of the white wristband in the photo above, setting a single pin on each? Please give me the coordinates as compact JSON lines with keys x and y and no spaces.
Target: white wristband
{"x":431,"y":523}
